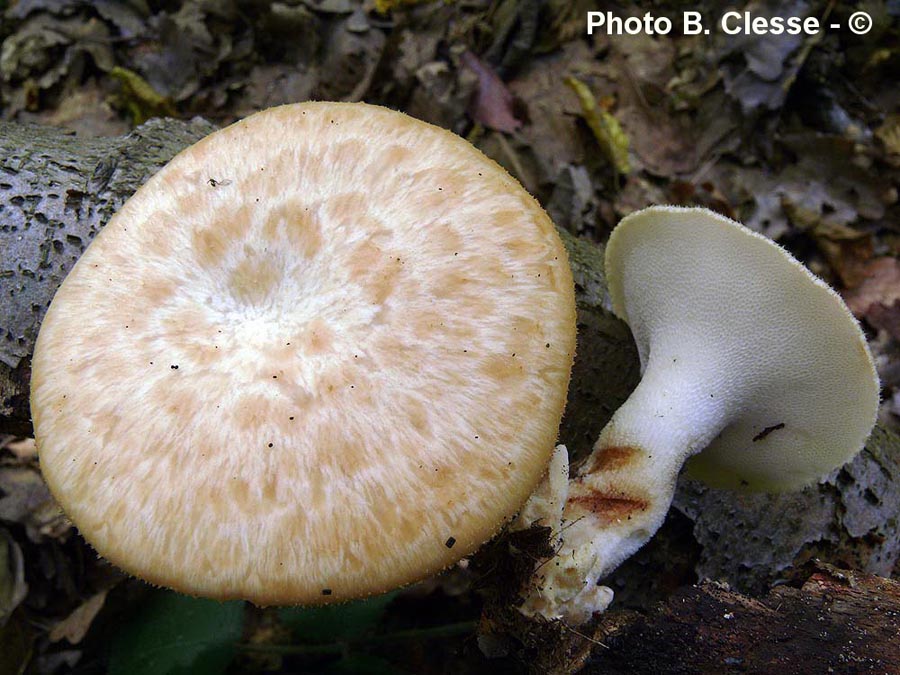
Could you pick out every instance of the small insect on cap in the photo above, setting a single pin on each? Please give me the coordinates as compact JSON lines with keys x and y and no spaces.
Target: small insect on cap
{"x":758,"y":341}
{"x":324,"y":352}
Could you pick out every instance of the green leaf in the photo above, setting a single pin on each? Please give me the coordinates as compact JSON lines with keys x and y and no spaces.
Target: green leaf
{"x":362,"y":664}
{"x":334,"y":623}
{"x":172,"y":634}
{"x":15,"y":644}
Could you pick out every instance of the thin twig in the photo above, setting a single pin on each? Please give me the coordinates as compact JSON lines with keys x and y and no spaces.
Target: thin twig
{"x":582,"y":635}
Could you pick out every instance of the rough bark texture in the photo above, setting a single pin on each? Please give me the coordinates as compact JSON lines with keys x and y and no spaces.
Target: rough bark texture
{"x":837,"y":622}
{"x":56,"y":192}
{"x":829,"y":621}
{"x":606,"y":368}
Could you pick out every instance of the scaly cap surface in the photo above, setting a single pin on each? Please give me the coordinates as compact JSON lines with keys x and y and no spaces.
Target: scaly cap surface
{"x":322,"y":353}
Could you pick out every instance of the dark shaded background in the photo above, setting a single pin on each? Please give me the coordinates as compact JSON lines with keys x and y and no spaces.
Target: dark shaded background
{"x":796,"y":136}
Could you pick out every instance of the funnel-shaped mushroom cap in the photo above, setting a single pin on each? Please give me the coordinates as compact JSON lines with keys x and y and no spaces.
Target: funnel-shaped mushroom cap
{"x":727,"y":320}
{"x":322,"y":353}
{"x":747,"y":359}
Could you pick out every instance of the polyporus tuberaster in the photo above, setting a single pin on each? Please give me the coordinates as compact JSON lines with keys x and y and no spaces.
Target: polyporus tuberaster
{"x":745,"y":356}
{"x":322,"y":353}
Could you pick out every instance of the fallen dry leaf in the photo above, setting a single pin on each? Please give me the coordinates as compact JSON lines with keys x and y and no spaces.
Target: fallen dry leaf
{"x":847,"y":250}
{"x":880,"y":286}
{"x":13,"y":588}
{"x":75,"y":626}
{"x":26,"y":500}
{"x":824,"y":188}
{"x":827,"y":180}
{"x":553,"y":109}
{"x":385,"y":6}
{"x":572,"y":203}
{"x":759,"y":69}
{"x":86,"y":110}
{"x":493,"y":102}
{"x":24,"y":449}
{"x":889,"y":134}
{"x":348,"y":67}
{"x":661,"y":142}
{"x":442,"y":94}
{"x":885,"y":317}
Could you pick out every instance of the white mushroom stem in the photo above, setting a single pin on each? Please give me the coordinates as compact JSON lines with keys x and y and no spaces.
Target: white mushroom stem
{"x":746,"y":356}
{"x":621,"y":495}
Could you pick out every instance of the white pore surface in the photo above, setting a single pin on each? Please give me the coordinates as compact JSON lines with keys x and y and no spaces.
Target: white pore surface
{"x":736,"y":338}
{"x":322,"y":353}
{"x":747,"y":359}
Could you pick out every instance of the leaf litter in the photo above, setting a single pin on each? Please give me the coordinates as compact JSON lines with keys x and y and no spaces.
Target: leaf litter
{"x":798,"y":137}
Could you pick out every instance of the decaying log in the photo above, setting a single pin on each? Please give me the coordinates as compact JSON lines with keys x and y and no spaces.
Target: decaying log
{"x":829,"y":621}
{"x":56,"y":192}
{"x":836,"y":622}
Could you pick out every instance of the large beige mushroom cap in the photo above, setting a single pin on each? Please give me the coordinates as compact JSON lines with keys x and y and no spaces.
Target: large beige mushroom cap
{"x":324,"y":352}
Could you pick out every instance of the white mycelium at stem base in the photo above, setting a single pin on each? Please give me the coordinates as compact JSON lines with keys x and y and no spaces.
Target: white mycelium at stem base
{"x":746,"y":357}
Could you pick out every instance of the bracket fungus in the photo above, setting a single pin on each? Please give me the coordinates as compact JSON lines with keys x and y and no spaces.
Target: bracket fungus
{"x":745,"y":356}
{"x":322,"y":353}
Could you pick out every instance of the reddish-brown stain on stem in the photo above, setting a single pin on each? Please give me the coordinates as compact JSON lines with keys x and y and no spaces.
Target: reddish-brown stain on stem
{"x":614,"y":457}
{"x":610,"y":507}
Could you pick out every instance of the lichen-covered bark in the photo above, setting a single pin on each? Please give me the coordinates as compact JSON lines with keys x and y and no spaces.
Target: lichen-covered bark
{"x":56,"y":192}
